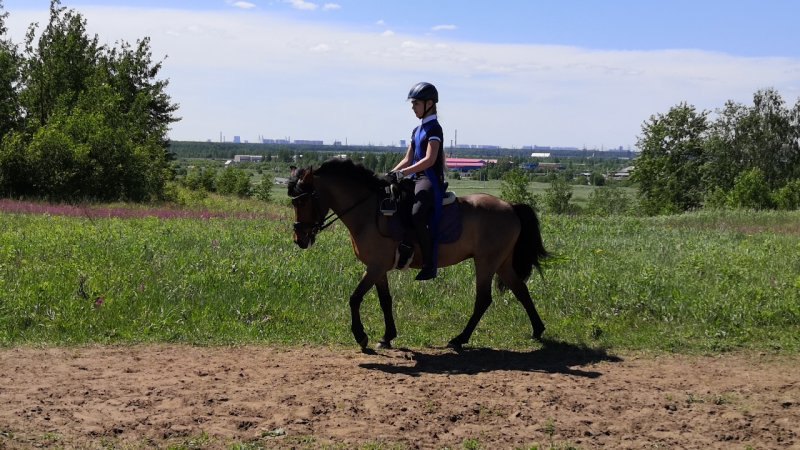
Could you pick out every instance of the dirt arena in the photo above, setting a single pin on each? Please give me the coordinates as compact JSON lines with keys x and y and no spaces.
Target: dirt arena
{"x":558,"y":397}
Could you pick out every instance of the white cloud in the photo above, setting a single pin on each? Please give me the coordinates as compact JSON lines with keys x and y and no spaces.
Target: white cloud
{"x":444,"y":28}
{"x":331,"y":6}
{"x":241,"y":4}
{"x":303,"y":5}
{"x":260,"y":74}
{"x":320,"y":48}
{"x":380,"y":23}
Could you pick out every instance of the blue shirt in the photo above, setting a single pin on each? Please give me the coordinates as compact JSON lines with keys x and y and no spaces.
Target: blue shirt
{"x":429,"y":130}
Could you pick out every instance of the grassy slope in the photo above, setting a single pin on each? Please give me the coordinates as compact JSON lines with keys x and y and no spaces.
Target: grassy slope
{"x":697,"y":282}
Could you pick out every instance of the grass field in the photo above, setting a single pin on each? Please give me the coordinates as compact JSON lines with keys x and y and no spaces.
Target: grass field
{"x":704,"y":281}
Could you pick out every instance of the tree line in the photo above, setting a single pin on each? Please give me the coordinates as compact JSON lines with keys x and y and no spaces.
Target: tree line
{"x":81,"y":120}
{"x":742,"y":156}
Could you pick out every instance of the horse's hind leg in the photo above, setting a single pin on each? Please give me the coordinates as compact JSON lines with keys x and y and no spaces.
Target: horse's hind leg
{"x":385,"y":298}
{"x":483,"y":298}
{"x":520,"y":290}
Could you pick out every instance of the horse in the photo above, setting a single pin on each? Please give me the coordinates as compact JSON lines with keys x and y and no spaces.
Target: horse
{"x":503,"y":240}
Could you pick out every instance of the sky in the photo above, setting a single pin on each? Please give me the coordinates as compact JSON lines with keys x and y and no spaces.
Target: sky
{"x":513,"y":73}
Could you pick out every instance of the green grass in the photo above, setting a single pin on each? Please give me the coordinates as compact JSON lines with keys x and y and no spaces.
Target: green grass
{"x":700,"y":282}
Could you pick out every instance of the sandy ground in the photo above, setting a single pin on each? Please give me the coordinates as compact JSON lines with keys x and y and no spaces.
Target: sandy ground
{"x":262,"y":397}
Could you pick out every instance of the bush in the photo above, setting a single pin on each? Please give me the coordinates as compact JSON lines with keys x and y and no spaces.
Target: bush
{"x":557,"y":197}
{"x":608,"y":201}
{"x":263,"y":190}
{"x":788,"y":197}
{"x":750,"y":190}
{"x":232,"y":181}
{"x":514,"y":189}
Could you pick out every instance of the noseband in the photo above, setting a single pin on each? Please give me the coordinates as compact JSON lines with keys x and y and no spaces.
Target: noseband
{"x":318,"y":225}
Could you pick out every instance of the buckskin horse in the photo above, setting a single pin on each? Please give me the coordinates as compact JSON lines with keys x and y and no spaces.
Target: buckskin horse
{"x":503,"y":240}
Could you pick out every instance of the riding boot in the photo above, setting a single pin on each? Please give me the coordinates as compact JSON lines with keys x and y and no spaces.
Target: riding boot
{"x":428,"y":271}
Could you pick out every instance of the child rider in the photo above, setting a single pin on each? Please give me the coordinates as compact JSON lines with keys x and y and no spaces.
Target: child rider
{"x":424,"y":163}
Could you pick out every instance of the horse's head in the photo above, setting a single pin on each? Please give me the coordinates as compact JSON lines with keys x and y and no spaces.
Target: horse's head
{"x":308,"y":212}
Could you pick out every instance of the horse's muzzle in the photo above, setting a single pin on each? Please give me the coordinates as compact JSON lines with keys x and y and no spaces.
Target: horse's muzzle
{"x":304,"y":235}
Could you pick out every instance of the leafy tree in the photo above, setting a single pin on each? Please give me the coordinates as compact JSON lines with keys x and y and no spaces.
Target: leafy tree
{"x":557,"y":197}
{"x":92,"y":121}
{"x":201,"y":179}
{"x":765,"y":135}
{"x":788,"y":197}
{"x":750,"y":191}
{"x":607,"y":201}
{"x":263,"y":190}
{"x":514,"y":188}
{"x":668,"y":170}
{"x":58,"y":65}
{"x":233,"y":181}
{"x":597,"y":179}
{"x":9,"y":78}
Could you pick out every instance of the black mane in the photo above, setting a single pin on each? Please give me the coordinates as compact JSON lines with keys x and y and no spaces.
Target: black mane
{"x":347,"y":169}
{"x":340,"y":168}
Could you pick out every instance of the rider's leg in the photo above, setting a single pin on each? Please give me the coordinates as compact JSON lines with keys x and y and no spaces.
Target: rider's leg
{"x":420,"y":215}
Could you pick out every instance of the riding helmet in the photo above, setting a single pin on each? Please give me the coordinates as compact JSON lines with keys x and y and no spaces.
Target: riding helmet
{"x":423,"y":91}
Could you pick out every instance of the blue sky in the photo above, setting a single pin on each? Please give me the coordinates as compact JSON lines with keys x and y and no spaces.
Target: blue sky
{"x":512,"y":73}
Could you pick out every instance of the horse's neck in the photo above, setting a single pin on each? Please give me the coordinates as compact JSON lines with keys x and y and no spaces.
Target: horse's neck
{"x":350,"y":202}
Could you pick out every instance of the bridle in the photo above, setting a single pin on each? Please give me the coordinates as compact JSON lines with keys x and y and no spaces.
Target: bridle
{"x":324,"y":221}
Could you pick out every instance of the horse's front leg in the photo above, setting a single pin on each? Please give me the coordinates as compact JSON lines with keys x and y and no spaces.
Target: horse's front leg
{"x":385,"y":298}
{"x":366,"y":283}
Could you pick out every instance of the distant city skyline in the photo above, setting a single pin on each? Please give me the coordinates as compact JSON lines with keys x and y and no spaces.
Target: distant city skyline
{"x":576,"y":73}
{"x":237,"y":139}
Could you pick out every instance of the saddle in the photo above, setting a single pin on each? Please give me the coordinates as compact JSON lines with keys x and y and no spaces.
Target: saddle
{"x":395,"y":222}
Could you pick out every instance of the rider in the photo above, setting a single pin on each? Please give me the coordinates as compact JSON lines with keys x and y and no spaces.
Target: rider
{"x":424,"y":163}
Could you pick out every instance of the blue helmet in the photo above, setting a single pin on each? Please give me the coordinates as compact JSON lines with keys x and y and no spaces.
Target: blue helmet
{"x":424,"y":91}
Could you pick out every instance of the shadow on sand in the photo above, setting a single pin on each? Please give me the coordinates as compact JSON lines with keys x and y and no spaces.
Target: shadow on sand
{"x":553,"y":357}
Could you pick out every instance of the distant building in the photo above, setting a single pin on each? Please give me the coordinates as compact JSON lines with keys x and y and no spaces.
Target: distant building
{"x":622,"y":174}
{"x":551,"y":167}
{"x":467,"y":164}
{"x":237,"y":139}
{"x":306,"y":142}
{"x":540,"y":155}
{"x":247,"y":158}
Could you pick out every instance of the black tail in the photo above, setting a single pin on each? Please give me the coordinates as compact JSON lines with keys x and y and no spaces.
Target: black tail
{"x":529,"y":250}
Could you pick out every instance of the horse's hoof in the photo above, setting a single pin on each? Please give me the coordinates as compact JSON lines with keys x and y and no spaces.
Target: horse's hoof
{"x":383,"y":345}
{"x":457,"y":346}
{"x":364,"y":343}
{"x":537,"y":335}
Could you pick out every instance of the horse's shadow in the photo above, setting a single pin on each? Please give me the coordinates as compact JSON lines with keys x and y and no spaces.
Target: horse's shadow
{"x":553,"y":357}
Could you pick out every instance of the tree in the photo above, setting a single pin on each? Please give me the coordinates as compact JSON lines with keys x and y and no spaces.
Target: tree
{"x":668,"y":170}
{"x":607,"y":201}
{"x":514,"y":188}
{"x":9,"y":78}
{"x":232,"y":181}
{"x":58,"y":65}
{"x":765,"y":136}
{"x":750,"y":191}
{"x":557,"y":197}
{"x":92,"y":122}
{"x":263,"y":190}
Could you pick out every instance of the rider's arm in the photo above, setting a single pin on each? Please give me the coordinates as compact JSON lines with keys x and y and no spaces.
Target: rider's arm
{"x":406,"y":159}
{"x":426,"y":162}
